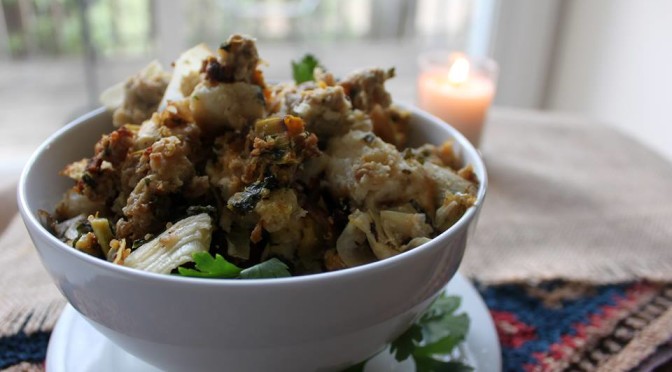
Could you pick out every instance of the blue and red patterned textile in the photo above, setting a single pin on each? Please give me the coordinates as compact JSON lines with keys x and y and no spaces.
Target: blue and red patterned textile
{"x":556,"y":326}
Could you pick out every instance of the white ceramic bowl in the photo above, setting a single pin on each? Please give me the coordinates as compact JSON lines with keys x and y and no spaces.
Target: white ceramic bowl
{"x":310,"y":323}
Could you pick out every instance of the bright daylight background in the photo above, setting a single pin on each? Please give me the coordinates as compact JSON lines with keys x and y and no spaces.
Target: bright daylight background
{"x":605,"y":59}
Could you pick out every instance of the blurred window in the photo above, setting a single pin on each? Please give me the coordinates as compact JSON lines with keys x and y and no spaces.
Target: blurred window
{"x":56,"y":56}
{"x":31,"y":28}
{"x":53,"y":27}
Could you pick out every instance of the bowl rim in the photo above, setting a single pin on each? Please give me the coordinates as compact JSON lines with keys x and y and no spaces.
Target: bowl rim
{"x":33,"y":224}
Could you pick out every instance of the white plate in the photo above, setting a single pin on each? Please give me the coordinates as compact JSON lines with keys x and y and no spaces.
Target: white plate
{"x":75,"y":346}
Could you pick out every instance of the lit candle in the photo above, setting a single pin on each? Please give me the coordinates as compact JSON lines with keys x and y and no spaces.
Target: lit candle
{"x":457,"y":90}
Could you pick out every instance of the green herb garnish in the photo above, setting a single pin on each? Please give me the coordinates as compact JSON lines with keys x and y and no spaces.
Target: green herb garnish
{"x":210,"y":267}
{"x":303,"y":70}
{"x":433,"y":336}
{"x":207,"y":266}
{"x":404,"y":345}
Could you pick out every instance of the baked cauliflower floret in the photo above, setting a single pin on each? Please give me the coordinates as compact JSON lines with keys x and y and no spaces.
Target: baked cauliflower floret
{"x":371,"y":173}
{"x":226,"y":106}
{"x":142,"y":95}
{"x":231,"y":93}
{"x":325,"y":110}
{"x":186,"y":74}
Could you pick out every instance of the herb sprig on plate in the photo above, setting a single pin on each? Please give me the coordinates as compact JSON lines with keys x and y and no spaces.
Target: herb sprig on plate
{"x":430,"y":339}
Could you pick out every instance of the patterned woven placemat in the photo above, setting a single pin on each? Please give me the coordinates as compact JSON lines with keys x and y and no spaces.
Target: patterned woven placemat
{"x":558,"y":326}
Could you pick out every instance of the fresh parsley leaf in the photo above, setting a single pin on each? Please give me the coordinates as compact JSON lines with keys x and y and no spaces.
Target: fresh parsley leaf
{"x":303,"y":70}
{"x":272,"y":268}
{"x":454,"y":326}
{"x":441,"y":306}
{"x":427,"y":364}
{"x":439,"y":346}
{"x":210,"y":267}
{"x":404,"y":345}
{"x":437,"y":332}
{"x":441,"y":327}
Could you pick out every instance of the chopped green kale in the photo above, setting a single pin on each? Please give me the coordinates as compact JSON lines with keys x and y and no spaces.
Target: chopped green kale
{"x":246,"y":200}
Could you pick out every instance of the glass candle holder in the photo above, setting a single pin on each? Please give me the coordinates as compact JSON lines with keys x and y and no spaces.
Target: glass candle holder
{"x":458,"y":89}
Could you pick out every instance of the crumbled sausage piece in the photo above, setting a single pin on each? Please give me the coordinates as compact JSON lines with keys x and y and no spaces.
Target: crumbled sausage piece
{"x":147,"y":205}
